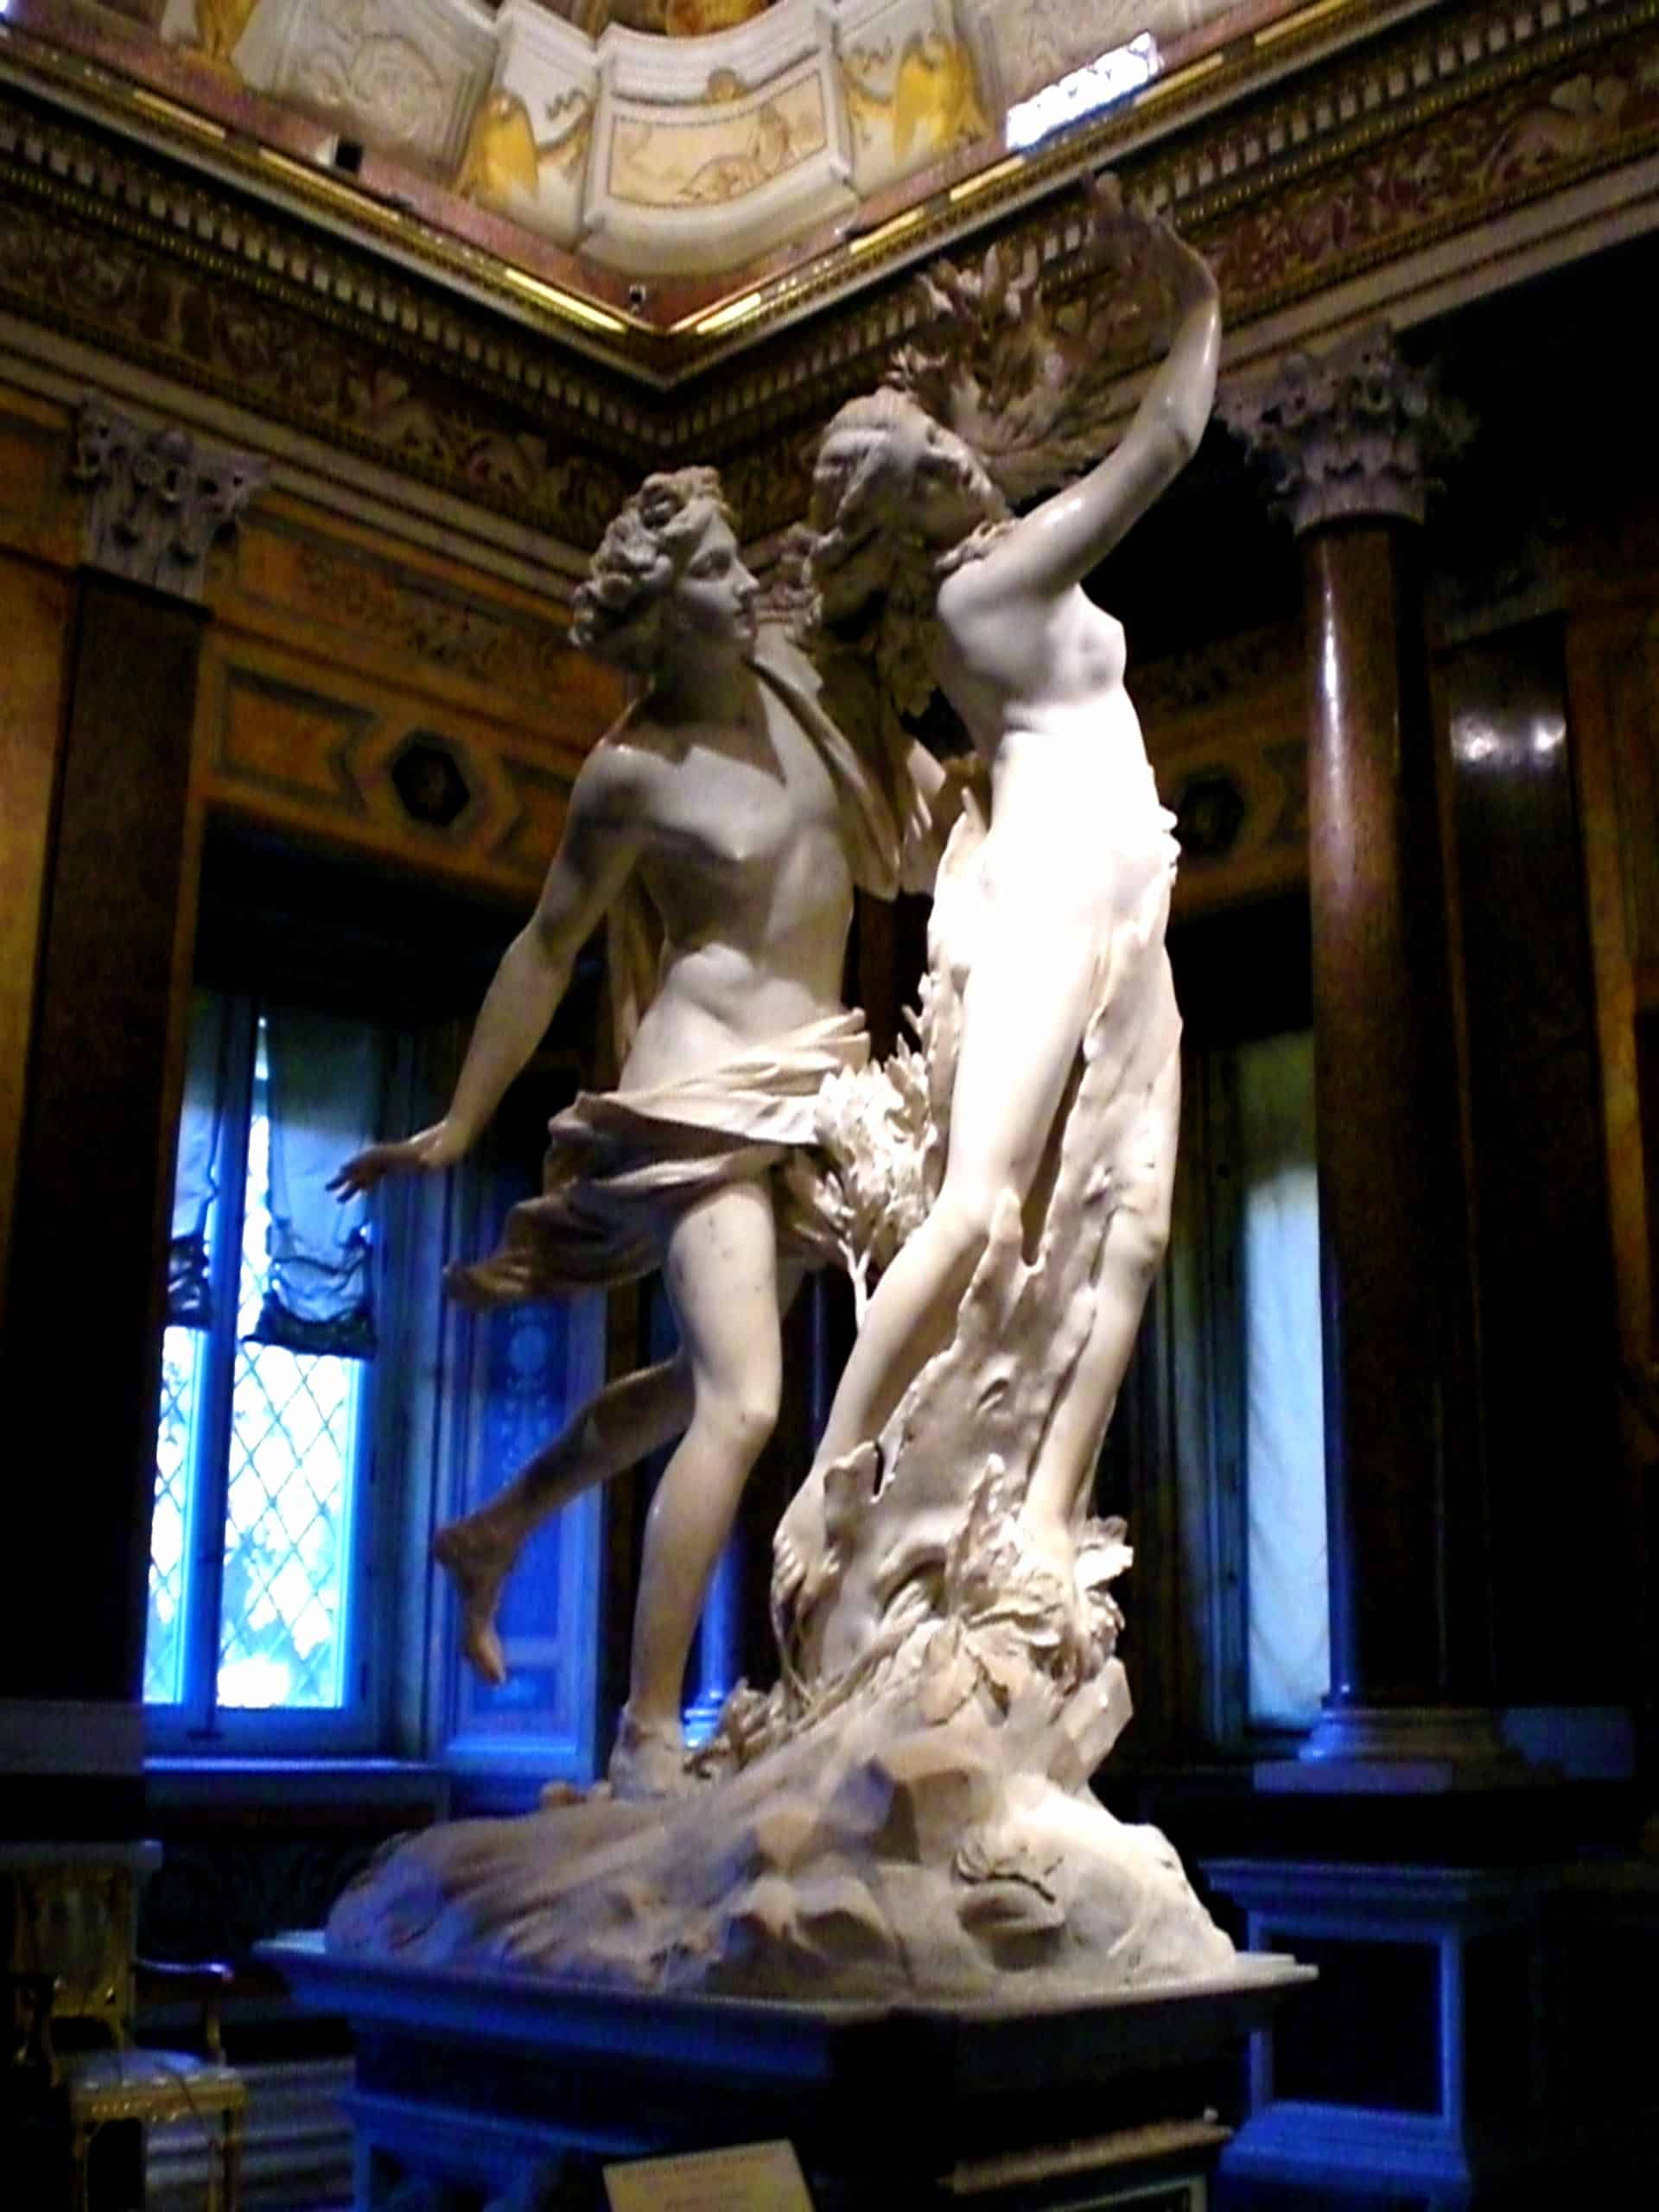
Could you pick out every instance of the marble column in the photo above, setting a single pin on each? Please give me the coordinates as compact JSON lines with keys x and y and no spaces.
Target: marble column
{"x":88,"y":1234}
{"x":1353,"y":439}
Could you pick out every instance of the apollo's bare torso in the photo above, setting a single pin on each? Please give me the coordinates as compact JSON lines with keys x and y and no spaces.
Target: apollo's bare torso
{"x":740,"y":848}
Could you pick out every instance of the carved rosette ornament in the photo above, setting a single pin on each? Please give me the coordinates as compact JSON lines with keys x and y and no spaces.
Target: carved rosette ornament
{"x":159,"y":499}
{"x":1354,"y":434}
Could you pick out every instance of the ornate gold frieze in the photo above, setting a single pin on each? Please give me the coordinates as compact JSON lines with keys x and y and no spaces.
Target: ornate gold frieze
{"x":406,"y":383}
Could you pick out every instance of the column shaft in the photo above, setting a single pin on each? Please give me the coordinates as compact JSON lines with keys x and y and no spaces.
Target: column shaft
{"x":81,"y":1355}
{"x":1392,"y":1216}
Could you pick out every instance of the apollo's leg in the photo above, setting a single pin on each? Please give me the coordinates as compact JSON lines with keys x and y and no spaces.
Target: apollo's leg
{"x":629,"y":1418}
{"x":722,"y":1272}
{"x":1134,"y":1251}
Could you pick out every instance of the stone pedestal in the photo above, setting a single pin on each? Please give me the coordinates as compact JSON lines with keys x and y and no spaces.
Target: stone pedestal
{"x":476,"y":2079}
{"x":1435,"y":2060}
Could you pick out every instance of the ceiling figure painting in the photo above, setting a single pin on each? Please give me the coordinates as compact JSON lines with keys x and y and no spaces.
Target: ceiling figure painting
{"x":677,"y":18}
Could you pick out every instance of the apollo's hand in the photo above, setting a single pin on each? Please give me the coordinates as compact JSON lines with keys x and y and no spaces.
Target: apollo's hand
{"x":426,"y":1151}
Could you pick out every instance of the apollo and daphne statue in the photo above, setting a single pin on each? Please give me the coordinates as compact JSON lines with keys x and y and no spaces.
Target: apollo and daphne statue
{"x":908,"y":1809}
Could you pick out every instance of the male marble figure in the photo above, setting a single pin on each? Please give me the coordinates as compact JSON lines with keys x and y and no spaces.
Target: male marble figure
{"x":722,"y":826}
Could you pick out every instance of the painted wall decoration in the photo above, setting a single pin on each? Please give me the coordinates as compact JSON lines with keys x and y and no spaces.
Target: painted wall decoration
{"x":912,"y":88}
{"x":1038,"y":42}
{"x":709,"y":151}
{"x":722,"y":155}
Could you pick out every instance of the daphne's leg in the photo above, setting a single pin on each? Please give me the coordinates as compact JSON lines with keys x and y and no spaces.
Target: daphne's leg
{"x":1134,"y":1251}
{"x":629,"y":1418}
{"x":721,"y":1271}
{"x":1023,"y":1016}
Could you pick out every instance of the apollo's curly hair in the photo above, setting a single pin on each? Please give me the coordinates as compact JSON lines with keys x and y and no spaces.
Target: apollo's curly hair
{"x":618,"y":615}
{"x":864,"y":545}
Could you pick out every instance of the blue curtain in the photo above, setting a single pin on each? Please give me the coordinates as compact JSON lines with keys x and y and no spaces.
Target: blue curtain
{"x":197,"y":1164}
{"x":325,"y":1097}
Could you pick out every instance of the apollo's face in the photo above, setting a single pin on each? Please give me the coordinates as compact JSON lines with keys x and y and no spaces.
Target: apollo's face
{"x":712,"y":600}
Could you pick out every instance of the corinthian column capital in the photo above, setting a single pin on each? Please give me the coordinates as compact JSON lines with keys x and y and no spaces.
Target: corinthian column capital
{"x":1357,"y":432}
{"x":159,"y":497}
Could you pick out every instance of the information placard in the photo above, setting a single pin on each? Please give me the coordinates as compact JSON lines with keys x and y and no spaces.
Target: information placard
{"x":751,"y":2177}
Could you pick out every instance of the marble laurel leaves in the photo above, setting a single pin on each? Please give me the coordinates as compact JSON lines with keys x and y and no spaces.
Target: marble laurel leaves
{"x":907,"y":1814}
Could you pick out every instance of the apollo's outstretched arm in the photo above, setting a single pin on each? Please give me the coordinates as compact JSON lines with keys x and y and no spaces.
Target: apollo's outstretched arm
{"x":1059,"y":542}
{"x":596,"y":856}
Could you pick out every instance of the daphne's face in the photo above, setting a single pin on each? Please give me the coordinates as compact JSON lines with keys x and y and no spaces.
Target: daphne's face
{"x":945,"y":489}
{"x":713,"y":600}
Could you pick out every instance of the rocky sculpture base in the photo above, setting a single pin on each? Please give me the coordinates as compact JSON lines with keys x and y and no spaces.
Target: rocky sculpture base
{"x":880,"y":1853}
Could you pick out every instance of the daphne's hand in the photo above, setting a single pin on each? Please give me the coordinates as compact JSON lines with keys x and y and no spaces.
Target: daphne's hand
{"x":426,"y":1151}
{"x":1147,"y":254}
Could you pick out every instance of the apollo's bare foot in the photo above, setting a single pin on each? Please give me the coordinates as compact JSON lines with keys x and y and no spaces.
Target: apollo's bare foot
{"x":647,"y":1760}
{"x":479,"y":1558}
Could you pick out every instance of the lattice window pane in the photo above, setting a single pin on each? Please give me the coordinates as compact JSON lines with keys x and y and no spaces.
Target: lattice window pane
{"x":288,"y":1505}
{"x":170,"y":1518}
{"x":282,"y":1624}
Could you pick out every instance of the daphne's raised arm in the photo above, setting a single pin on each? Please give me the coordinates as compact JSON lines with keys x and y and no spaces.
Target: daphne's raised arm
{"x":1059,"y":542}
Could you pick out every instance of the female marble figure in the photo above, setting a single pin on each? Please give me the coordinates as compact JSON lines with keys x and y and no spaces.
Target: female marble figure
{"x":913,"y":546}
{"x":724,"y":817}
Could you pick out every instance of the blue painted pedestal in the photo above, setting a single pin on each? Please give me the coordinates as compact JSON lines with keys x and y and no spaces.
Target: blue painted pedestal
{"x":478,"y":2079}
{"x":1427,"y":2066}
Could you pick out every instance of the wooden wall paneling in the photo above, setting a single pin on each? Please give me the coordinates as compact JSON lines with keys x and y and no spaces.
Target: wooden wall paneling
{"x":39,"y":507}
{"x":337,"y":754}
{"x":399,"y":705}
{"x":35,"y":616}
{"x":1613,"y":673}
{"x":1225,"y":730}
{"x":344,"y":593}
{"x":1544,"y":1269}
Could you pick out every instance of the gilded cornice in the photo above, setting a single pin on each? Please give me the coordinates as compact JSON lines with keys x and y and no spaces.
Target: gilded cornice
{"x":1349,"y":142}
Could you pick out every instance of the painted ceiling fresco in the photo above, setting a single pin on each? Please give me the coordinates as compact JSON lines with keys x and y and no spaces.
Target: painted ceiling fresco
{"x":663,"y":175}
